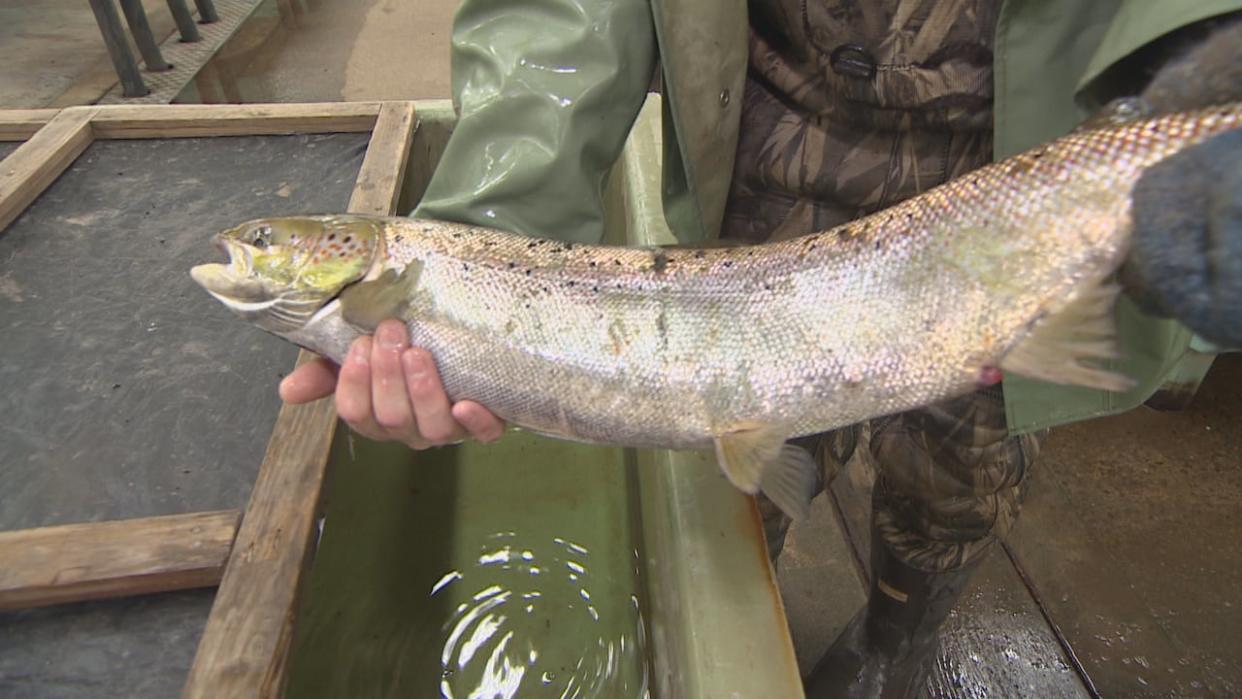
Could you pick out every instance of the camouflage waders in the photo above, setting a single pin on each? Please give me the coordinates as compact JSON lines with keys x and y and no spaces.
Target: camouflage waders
{"x":852,"y":107}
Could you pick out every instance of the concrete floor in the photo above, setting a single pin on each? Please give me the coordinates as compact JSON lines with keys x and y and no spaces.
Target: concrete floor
{"x":1126,"y":560}
{"x":53,"y":54}
{"x":317,"y":50}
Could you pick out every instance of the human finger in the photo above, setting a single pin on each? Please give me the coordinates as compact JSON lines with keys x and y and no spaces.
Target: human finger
{"x":478,"y":421}
{"x":353,"y":390}
{"x":311,"y":381}
{"x":389,"y":397}
{"x":431,"y":404}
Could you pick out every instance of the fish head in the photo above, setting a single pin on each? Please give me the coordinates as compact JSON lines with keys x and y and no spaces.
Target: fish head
{"x":281,"y":271}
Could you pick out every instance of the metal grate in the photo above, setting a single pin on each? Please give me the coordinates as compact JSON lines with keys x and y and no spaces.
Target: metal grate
{"x":187,"y":58}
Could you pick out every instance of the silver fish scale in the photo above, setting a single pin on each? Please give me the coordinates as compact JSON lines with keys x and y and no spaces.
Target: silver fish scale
{"x":669,"y":348}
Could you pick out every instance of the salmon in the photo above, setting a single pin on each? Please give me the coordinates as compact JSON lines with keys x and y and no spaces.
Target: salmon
{"x":738,"y":349}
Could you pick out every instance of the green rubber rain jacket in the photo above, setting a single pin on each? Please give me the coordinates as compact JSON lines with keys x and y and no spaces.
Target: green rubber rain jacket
{"x":546,"y":92}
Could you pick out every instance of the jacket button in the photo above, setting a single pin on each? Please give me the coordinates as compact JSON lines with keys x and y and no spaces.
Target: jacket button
{"x":724,"y":97}
{"x":852,"y":60}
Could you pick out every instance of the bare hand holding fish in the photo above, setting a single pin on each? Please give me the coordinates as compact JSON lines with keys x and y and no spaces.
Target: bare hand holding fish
{"x":392,"y":392}
{"x":736,"y":349}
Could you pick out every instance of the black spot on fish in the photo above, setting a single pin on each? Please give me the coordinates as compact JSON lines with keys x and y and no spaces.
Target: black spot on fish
{"x":728,"y":263}
{"x":700,"y":254}
{"x":595,"y":289}
{"x":348,"y":239}
{"x":659,"y":261}
{"x":511,"y":265}
{"x":616,"y":262}
{"x":531,"y":245}
{"x":593,"y":263}
{"x":465,"y":267}
{"x":399,"y":239}
{"x":528,"y":272}
{"x":456,"y":236}
{"x":331,"y":236}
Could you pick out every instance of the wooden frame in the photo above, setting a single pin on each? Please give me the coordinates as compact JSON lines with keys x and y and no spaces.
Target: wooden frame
{"x":244,"y":648}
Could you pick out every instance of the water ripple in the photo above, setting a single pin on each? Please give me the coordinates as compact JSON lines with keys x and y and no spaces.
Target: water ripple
{"x":518,"y":622}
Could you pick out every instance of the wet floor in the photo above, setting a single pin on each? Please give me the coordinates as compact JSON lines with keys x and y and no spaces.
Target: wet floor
{"x":52,"y":54}
{"x":331,"y":50}
{"x":1132,"y":537}
{"x":1123,"y":576}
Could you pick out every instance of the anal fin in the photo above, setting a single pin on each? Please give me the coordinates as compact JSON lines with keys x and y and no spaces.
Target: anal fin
{"x":1058,"y":344}
{"x":756,"y":457}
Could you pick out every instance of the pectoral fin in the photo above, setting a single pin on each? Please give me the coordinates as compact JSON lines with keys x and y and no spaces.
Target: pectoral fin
{"x":365,"y":304}
{"x":756,"y":458}
{"x":1057,"y":345}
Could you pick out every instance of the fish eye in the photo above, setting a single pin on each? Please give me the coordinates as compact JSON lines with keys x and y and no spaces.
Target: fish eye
{"x":261,"y":237}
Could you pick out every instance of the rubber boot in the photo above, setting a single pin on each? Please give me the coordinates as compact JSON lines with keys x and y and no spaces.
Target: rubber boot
{"x":889,"y":647}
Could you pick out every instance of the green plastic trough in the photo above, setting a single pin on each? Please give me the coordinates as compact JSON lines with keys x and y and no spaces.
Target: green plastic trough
{"x":533,"y":567}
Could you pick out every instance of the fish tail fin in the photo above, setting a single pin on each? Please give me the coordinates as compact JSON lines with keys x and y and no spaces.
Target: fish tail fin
{"x":1058,"y":344}
{"x":756,"y":458}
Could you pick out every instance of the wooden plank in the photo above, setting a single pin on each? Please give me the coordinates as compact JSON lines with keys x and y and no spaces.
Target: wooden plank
{"x":75,"y":562}
{"x":245,"y":646}
{"x":185,"y":120}
{"x":39,"y":161}
{"x":436,"y":120}
{"x":21,"y":124}
{"x":383,"y":169}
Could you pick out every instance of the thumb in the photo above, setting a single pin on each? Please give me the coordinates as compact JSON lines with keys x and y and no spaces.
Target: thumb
{"x":311,"y":381}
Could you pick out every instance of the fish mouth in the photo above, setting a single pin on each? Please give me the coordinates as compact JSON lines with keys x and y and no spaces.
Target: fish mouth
{"x":231,"y":282}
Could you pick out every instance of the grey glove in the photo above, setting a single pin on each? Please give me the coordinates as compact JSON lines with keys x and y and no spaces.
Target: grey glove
{"x":1186,"y":259}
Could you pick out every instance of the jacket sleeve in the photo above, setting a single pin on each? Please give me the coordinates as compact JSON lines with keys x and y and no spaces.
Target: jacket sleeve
{"x":546,"y":92}
{"x":1141,"y":37}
